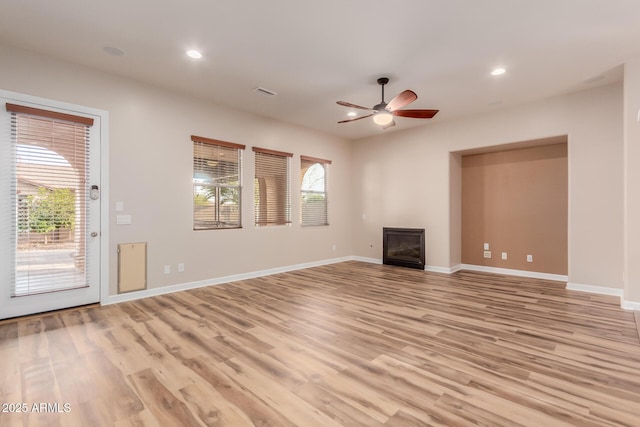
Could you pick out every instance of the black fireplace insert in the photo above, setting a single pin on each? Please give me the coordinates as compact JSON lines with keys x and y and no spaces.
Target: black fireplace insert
{"x":403,"y":247}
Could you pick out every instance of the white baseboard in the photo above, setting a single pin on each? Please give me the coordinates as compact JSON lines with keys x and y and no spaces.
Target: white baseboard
{"x":456,"y":268}
{"x":436,"y":269}
{"x":511,"y":272}
{"x":130,"y":296}
{"x":630,"y":305}
{"x":602,"y":290}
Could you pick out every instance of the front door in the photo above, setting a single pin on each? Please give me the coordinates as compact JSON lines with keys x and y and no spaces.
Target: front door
{"x":49,"y":206}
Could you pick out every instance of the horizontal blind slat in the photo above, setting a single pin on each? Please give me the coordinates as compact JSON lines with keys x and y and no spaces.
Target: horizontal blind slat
{"x":272,"y":192}
{"x":51,"y":166}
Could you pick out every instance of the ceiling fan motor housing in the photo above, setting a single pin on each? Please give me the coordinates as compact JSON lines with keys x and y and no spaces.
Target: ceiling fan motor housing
{"x":380,"y":107}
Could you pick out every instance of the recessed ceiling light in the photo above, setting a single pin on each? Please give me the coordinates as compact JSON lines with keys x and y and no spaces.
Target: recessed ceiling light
{"x":498,"y":71}
{"x":194,"y":54}
{"x":352,"y":114}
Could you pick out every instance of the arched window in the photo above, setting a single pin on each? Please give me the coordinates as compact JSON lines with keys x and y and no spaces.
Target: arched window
{"x":313,"y":187}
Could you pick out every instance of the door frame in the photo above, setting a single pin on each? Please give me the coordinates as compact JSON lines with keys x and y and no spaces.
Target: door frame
{"x":103,"y":291}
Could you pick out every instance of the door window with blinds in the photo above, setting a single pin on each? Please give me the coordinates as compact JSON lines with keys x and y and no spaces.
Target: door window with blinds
{"x":217,"y":184}
{"x":50,"y":164}
{"x":313,"y":191}
{"x":272,"y":187}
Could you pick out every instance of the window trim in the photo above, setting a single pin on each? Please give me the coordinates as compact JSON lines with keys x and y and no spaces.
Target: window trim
{"x":273,"y":152}
{"x":314,"y":159}
{"x":55,"y":115}
{"x":219,"y":142}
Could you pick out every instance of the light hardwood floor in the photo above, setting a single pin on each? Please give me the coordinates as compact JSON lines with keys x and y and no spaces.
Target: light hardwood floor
{"x":349,"y":344}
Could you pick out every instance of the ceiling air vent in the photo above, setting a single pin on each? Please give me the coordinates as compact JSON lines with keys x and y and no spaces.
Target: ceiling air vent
{"x":264,"y":92}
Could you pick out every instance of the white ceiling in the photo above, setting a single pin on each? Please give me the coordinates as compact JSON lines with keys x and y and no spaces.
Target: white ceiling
{"x":316,"y":53}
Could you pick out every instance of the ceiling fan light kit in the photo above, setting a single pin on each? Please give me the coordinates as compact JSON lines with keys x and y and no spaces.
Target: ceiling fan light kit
{"x":382,"y":118}
{"x":383,"y":113}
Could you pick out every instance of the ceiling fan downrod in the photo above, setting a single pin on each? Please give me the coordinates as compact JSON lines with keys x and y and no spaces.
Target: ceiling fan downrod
{"x":382,"y":81}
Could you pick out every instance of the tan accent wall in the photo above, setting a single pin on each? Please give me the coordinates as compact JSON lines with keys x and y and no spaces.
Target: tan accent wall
{"x":516,"y":200}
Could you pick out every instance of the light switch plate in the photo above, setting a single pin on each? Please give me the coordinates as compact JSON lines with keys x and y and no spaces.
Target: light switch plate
{"x":123,"y":219}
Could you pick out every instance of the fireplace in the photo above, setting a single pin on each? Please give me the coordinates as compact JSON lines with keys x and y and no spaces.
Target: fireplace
{"x":403,"y":247}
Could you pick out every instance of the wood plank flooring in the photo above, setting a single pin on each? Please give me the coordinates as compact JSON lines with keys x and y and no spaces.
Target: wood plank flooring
{"x":349,"y":344}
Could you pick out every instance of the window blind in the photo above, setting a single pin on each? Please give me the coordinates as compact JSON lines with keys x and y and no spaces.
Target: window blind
{"x":217,"y":184}
{"x":313,"y":191}
{"x":50,"y":167}
{"x":272,"y":187}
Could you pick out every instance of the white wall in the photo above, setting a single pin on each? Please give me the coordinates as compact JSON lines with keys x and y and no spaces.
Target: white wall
{"x":151,"y":170}
{"x":398,"y":179}
{"x":632,"y":180}
{"x":404,"y":179}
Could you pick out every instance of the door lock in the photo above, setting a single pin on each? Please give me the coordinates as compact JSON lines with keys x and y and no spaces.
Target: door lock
{"x":94,"y":194}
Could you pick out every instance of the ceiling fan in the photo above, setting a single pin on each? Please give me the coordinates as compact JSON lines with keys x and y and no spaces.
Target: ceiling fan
{"x":383,"y":113}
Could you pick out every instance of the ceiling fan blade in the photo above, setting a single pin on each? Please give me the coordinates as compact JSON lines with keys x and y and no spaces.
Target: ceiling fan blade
{"x":402,"y":99}
{"x":357,"y":118}
{"x":416,"y":114}
{"x":348,"y":104}
{"x":392,"y":124}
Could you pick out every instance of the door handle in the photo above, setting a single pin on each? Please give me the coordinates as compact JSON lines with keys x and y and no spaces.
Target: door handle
{"x":94,"y":234}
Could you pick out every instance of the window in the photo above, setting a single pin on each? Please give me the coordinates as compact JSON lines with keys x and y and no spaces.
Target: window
{"x":272,"y":194}
{"x":313,"y":190}
{"x":217,"y":184}
{"x":50,"y":166}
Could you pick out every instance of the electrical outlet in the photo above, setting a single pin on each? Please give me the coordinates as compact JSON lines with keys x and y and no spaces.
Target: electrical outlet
{"x":486,"y":246}
{"x":487,"y":254}
{"x":529,"y":258}
{"x":180,"y":267}
{"x":167,"y":269}
{"x":504,"y":255}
